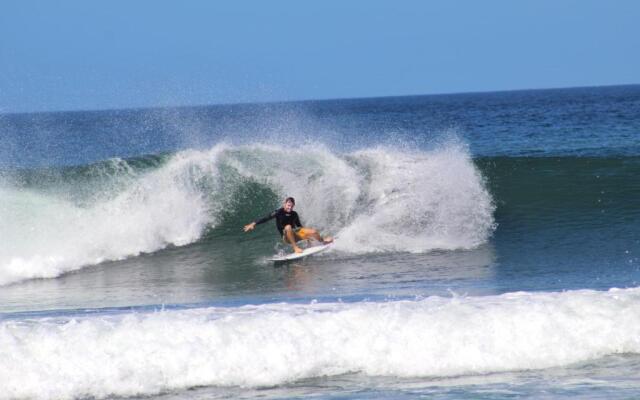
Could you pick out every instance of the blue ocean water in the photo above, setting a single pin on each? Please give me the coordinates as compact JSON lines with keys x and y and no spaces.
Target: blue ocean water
{"x":487,"y":248}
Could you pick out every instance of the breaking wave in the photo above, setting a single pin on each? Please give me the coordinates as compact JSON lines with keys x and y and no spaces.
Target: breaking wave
{"x":377,"y":199}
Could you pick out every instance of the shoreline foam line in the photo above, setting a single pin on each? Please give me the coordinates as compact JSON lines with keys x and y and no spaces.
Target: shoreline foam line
{"x":274,"y":344}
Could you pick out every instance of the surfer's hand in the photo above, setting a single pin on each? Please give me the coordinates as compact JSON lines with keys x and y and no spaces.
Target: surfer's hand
{"x":249,"y":227}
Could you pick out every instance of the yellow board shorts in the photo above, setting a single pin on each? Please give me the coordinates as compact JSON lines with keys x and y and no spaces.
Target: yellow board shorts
{"x":301,"y":234}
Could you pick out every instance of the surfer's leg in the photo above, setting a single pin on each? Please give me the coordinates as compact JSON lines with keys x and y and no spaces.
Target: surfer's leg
{"x":290,"y":238}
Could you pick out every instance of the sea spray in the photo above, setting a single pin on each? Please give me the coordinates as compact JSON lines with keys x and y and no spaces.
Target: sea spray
{"x":418,"y":201}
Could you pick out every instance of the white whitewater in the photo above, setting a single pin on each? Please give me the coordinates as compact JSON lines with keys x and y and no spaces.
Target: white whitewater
{"x":147,"y":353}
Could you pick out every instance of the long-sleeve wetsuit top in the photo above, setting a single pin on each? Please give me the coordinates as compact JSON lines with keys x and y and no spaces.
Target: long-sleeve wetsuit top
{"x":282,"y":219}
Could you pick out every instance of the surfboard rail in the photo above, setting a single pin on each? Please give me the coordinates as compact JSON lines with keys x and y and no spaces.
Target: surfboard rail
{"x":305,"y":253}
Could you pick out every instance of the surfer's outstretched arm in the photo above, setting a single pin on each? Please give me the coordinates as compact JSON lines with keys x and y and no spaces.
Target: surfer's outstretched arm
{"x":252,"y":225}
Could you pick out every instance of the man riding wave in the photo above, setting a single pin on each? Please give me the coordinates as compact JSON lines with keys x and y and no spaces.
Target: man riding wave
{"x":289,"y":226}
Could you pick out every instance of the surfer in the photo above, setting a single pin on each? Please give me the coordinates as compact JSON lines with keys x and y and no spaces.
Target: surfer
{"x":289,"y":226}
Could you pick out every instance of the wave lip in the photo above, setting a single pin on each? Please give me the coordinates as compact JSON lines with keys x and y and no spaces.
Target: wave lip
{"x":251,"y":346}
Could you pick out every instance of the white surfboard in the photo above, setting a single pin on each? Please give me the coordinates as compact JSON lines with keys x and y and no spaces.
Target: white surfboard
{"x":305,"y":253}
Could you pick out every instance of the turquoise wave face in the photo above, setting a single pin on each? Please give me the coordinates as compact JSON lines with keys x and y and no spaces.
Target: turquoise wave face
{"x":544,"y":192}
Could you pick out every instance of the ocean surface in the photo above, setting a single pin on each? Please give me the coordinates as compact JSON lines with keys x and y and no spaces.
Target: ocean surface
{"x":487,"y":247}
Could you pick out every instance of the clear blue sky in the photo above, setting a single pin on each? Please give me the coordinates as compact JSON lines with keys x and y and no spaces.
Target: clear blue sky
{"x":79,"y":55}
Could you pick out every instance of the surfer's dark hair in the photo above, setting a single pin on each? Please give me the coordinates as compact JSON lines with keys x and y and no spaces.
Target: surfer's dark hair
{"x":291,"y":199}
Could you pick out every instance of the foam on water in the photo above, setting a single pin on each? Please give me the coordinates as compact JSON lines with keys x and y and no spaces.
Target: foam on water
{"x":376,"y":200}
{"x":133,"y":354}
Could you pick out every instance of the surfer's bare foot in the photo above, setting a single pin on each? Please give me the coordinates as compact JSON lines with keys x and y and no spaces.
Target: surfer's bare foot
{"x":297,"y":250}
{"x":327,"y":240}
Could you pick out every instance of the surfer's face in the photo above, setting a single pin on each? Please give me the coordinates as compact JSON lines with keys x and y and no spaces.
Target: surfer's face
{"x":288,"y":206}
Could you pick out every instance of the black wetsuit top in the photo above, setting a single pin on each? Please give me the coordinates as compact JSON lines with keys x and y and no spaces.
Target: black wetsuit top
{"x":282,"y":219}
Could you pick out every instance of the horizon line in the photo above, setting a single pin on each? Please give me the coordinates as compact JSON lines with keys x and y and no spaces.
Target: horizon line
{"x":304,"y":100}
